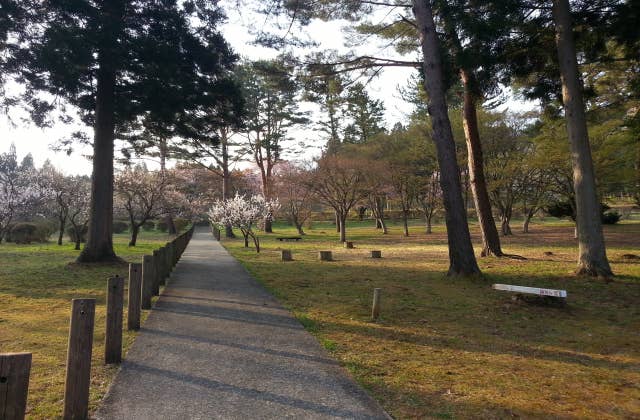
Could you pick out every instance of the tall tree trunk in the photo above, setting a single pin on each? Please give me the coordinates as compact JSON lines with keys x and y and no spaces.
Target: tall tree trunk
{"x":268,"y":225}
{"x":462,"y":260}
{"x":505,"y":224}
{"x":135,"y":229}
{"x":299,"y":229}
{"x":226,"y":177}
{"x":99,"y":246}
{"x":429,"y":226}
{"x":383,"y":226}
{"x":405,"y":222}
{"x":592,"y":259}
{"x":63,"y":224}
{"x":490,"y":237}
{"x":343,"y":228}
{"x":168,"y":219}
{"x":527,"y":219}
{"x":337,"y":222}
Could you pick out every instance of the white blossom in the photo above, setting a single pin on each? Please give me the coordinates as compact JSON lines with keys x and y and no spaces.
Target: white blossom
{"x":243,"y":213}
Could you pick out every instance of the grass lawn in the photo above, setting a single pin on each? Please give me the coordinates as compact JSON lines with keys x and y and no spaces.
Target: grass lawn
{"x":37,"y":283}
{"x":454,"y":348}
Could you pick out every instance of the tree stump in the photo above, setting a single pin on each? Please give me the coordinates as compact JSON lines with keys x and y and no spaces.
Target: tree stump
{"x":325,"y":256}
{"x":286,"y":255}
{"x":376,"y":254}
{"x":348,"y":245}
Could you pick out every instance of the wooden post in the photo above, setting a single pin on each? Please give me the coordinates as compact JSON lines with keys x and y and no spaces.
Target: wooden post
{"x":375,"y":308}
{"x":113,"y":332}
{"x":135,"y":294}
{"x":172,"y":253}
{"x":286,"y":255}
{"x":325,"y":256}
{"x":348,"y":245}
{"x":376,"y":254}
{"x":147,"y":281}
{"x":157,"y":272}
{"x":14,"y":385}
{"x":76,"y":392}
{"x":167,"y":260}
{"x":162,"y":264}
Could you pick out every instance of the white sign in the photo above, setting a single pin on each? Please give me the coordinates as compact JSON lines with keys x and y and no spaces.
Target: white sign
{"x":531,"y":290}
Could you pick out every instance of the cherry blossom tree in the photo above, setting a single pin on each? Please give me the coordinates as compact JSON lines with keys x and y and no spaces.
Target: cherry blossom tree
{"x":340,"y":183}
{"x":144,"y":195}
{"x":18,"y":190}
{"x":243,"y":213}
{"x":78,"y":201}
{"x":291,"y":187}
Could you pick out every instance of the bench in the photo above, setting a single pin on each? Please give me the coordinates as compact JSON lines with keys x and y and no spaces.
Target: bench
{"x":289,"y":238}
{"x":547,"y":295}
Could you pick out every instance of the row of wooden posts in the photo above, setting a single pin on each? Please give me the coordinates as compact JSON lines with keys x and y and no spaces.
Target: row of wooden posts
{"x":145,"y":280}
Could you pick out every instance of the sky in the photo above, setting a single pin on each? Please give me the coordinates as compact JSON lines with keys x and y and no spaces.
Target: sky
{"x":30,"y":139}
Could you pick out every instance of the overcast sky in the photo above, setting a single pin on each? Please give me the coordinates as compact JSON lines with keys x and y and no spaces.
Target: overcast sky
{"x":30,"y":139}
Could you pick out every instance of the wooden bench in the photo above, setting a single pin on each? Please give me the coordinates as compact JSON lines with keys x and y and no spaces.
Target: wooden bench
{"x":289,"y":238}
{"x":547,"y":295}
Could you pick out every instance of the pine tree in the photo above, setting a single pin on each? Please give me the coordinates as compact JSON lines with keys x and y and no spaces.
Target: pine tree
{"x":366,"y":115}
{"x":116,"y":61}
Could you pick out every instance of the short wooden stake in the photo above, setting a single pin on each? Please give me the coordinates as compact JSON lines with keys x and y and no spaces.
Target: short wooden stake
{"x":76,"y":392}
{"x":135,"y":293}
{"x":286,"y":255}
{"x":376,"y":254}
{"x":113,"y":332}
{"x":14,"y":385}
{"x":147,"y":281}
{"x":348,"y":245}
{"x":325,"y":256}
{"x":375,"y":308}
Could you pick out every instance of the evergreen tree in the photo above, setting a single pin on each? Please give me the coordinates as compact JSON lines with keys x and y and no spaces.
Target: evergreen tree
{"x":117,"y":61}
{"x":366,"y":115}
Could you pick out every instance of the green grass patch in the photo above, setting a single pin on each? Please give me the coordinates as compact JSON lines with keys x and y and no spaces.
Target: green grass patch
{"x":455,"y":348}
{"x":37,"y":283}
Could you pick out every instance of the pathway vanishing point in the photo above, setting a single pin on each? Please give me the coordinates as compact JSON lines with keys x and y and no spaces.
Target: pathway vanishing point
{"x":218,"y":345}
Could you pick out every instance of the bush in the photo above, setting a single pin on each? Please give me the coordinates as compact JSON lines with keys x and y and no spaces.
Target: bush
{"x":148,"y":225}
{"x":71,"y":231}
{"x":23,"y":233}
{"x":161,"y":225}
{"x":45,"y":230}
{"x":120,"y":226}
{"x":180,"y":223}
{"x":561,"y":209}
{"x":610,"y":218}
